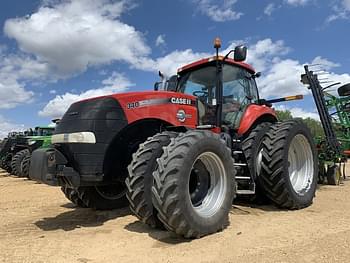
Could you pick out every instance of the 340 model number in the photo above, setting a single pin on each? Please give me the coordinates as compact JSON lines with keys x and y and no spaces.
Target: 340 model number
{"x":133,"y":105}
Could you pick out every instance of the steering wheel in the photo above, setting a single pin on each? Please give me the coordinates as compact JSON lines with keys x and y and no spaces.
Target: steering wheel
{"x":200,"y":93}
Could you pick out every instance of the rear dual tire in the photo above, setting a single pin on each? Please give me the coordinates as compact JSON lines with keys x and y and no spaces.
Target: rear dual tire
{"x":289,"y":167}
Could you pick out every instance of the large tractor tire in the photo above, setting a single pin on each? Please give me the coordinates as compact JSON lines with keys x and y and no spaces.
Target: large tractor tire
{"x":140,"y":179}
{"x":252,"y":147}
{"x":73,"y":196}
{"x":106,"y":197}
{"x":16,"y":163}
{"x":289,"y":168}
{"x":7,"y":163}
{"x":194,"y":184}
{"x":25,"y":165}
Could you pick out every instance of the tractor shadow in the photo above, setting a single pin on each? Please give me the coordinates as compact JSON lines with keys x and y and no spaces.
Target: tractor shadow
{"x":239,"y":207}
{"x":163,"y":236}
{"x":78,"y":218}
{"x":243,"y":205}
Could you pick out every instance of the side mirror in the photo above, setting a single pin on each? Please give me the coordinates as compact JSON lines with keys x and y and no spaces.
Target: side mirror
{"x":240,"y":53}
{"x":160,"y":85}
{"x":157,"y":85}
{"x":172,"y":83}
{"x":56,"y":121}
{"x":257,"y":75}
{"x":167,"y":85}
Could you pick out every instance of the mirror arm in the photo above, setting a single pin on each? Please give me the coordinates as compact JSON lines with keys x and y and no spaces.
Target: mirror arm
{"x":225,"y":57}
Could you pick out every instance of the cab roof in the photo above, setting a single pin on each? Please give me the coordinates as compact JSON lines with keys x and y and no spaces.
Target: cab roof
{"x":44,"y":127}
{"x":204,"y":61}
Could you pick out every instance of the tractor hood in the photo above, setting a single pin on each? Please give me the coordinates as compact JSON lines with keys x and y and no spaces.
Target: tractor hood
{"x":89,"y":126}
{"x":162,"y":105}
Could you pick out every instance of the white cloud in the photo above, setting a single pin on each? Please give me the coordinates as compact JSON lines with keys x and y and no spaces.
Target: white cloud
{"x":220,"y":12}
{"x":63,"y":38}
{"x":160,"y":41}
{"x":57,"y":107}
{"x":52,"y":91}
{"x":346,"y":4}
{"x":72,"y":35}
{"x":12,"y":94}
{"x":170,"y":62}
{"x":323,"y":63}
{"x":282,"y":79}
{"x":269,"y":9}
{"x":281,"y":76}
{"x":341,"y":10}
{"x":15,"y":71}
{"x":263,"y":53}
{"x":260,"y":55}
{"x":7,"y":126}
{"x":297,"y":2}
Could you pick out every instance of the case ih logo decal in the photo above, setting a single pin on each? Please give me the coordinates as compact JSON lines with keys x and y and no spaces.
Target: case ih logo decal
{"x":182,"y":101}
{"x":174,"y":100}
{"x":182,"y":116}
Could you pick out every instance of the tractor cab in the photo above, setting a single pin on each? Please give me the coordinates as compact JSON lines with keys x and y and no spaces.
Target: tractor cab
{"x":238,"y":90}
{"x":224,"y":87}
{"x":43,"y":131}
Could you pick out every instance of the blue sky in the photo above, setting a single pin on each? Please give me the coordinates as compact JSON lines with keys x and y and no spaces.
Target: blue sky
{"x":54,"y":52}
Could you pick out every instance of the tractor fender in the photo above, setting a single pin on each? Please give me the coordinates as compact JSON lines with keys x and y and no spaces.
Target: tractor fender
{"x":254,"y":113}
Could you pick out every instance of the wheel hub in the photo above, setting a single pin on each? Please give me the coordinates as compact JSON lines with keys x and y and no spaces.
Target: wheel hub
{"x":207,"y":184}
{"x":301,"y":164}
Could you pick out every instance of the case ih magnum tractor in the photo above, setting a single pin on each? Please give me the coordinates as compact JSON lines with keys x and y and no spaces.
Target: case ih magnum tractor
{"x":180,"y":157}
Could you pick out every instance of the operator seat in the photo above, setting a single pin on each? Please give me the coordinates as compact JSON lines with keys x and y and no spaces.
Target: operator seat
{"x":201,"y":111}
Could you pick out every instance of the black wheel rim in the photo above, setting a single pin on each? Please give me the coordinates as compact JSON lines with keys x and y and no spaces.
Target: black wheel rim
{"x":199,"y":183}
{"x":111,"y":192}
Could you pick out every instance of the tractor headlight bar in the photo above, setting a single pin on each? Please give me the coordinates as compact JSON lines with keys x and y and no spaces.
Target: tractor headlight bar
{"x":31,"y":142}
{"x":76,"y":137}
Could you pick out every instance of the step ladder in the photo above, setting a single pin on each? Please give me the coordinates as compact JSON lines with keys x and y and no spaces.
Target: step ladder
{"x":241,"y":180}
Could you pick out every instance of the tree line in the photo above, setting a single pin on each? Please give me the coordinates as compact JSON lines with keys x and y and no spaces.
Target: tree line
{"x":314,"y":126}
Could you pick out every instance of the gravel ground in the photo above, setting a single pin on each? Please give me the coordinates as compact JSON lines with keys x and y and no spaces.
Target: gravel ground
{"x":37,"y":224}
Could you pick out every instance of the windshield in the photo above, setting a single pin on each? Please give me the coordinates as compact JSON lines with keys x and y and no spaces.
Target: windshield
{"x":239,"y":89}
{"x":199,"y":83}
{"x":43,"y":131}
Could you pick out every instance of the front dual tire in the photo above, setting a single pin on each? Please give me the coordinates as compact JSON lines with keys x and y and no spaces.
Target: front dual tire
{"x":194,"y":184}
{"x":97,"y":197}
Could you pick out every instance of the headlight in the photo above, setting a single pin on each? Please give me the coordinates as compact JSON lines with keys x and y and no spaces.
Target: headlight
{"x":76,"y":137}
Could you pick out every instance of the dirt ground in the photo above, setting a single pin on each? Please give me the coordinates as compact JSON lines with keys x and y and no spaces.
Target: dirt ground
{"x":37,"y":224}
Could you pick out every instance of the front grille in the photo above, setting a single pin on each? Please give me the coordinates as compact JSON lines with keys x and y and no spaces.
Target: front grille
{"x":102,"y":116}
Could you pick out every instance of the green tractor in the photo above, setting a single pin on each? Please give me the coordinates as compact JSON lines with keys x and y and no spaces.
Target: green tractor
{"x":40,"y":137}
{"x":334,"y":146}
{"x":8,"y":149}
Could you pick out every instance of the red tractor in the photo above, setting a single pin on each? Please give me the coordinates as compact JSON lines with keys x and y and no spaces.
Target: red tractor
{"x":181,"y":155}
